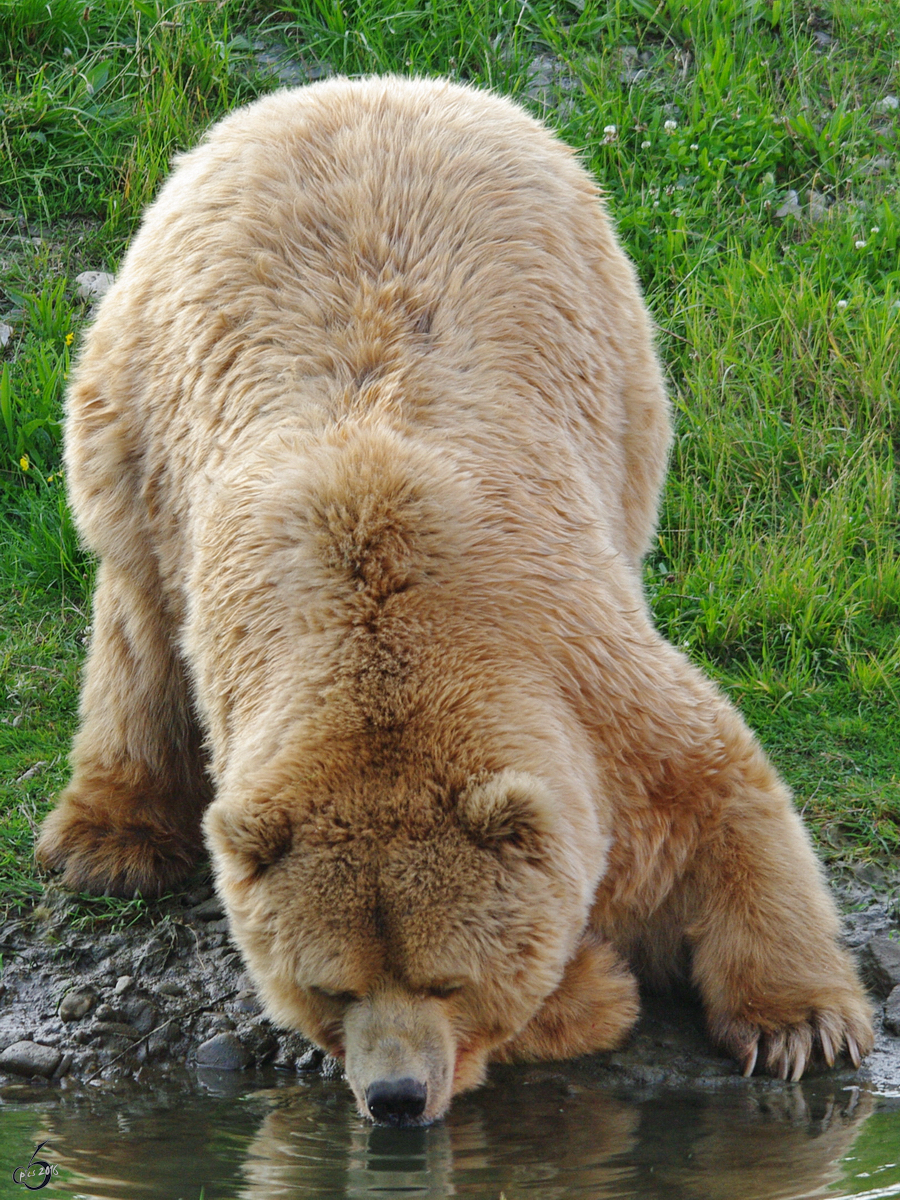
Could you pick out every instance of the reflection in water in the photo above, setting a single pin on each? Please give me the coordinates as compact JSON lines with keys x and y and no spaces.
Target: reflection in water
{"x":554,"y":1140}
{"x":530,"y":1135}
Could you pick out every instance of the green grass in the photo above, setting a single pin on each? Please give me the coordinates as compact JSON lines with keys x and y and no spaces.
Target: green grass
{"x":777,"y":564}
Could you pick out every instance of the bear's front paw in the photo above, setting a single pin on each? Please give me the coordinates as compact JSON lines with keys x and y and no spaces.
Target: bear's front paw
{"x":110,"y":842}
{"x":785,"y":1051}
{"x":594,"y":1007}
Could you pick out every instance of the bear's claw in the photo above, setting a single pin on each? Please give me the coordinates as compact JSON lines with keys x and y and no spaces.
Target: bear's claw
{"x":787,"y":1053}
{"x":827,"y":1047}
{"x":853,"y":1050}
{"x":749,"y":1062}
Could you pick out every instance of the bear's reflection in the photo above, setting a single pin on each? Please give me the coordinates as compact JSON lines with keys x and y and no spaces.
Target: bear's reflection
{"x":554,"y":1140}
{"x":537,"y":1133}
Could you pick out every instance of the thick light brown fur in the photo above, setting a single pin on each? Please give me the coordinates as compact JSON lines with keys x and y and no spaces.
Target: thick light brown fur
{"x":369,"y":437}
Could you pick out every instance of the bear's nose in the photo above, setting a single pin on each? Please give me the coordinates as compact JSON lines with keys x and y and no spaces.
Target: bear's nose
{"x":396,"y":1101}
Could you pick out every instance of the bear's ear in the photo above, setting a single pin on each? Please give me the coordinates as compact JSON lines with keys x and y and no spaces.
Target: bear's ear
{"x":509,"y":808}
{"x":252,"y":836}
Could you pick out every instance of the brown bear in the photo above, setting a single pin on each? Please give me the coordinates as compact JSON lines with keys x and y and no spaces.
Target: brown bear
{"x":369,"y":436}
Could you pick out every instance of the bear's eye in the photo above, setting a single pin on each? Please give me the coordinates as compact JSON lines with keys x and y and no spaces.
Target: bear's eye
{"x":335,"y":997}
{"x":440,"y":991}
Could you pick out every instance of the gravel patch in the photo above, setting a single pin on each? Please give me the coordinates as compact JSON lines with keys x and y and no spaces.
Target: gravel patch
{"x":168,"y":994}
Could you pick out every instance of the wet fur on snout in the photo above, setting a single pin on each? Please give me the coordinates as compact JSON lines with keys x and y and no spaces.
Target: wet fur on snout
{"x":391,"y":1036}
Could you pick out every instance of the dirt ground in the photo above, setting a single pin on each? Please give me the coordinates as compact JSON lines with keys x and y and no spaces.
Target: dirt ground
{"x":82,"y":1004}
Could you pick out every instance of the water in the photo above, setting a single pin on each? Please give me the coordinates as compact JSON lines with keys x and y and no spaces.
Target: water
{"x":531,"y":1133}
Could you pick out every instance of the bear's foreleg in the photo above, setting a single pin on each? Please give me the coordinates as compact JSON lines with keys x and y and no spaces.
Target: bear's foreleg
{"x":594,"y":1007}
{"x":778,"y":988}
{"x":129,"y":821}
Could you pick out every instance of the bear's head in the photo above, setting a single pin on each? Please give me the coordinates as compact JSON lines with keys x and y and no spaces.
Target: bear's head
{"x":406,"y":921}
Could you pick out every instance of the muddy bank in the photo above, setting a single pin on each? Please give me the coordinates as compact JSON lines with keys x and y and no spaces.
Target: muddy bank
{"x":168,"y":996}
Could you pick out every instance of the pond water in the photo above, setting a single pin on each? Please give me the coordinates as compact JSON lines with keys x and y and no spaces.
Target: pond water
{"x":530,"y":1133}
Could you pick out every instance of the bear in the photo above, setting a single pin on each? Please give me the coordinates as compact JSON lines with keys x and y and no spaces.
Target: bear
{"x":368,"y":437}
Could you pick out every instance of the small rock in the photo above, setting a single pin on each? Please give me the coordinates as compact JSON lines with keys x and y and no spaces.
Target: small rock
{"x":209,"y":910}
{"x":880,"y":964}
{"x":888,"y":104}
{"x":869,"y":873}
{"x":142,"y":1015}
{"x":161,"y":1039}
{"x":217,"y":1022}
{"x":123,"y":983}
{"x":116,"y":1029}
{"x":817,"y":206}
{"x":170,"y":988}
{"x":294,"y":1050}
{"x":30,"y":1058}
{"x":791,"y":207}
{"x":153,"y":958}
{"x":330,"y":1068}
{"x":217,"y":932}
{"x":260,"y":1040}
{"x":278,"y":62}
{"x":6,"y":332}
{"x":64,"y":1066}
{"x":76,"y":1004}
{"x":877,"y":165}
{"x":91,"y":285}
{"x":246,"y":1002}
{"x":892,"y":1012}
{"x":309,"y":1060}
{"x":225,"y":1052}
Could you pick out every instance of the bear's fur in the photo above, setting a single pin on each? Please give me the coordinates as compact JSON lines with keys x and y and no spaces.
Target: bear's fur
{"x":369,"y":436}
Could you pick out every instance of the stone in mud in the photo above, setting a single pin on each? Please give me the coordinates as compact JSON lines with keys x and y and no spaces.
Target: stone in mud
{"x":880,"y":963}
{"x":76,"y":1004}
{"x":114,"y":1035}
{"x":30,"y":1058}
{"x":161,"y":1039}
{"x":892,"y":1012}
{"x":260,"y":1039}
{"x":153,"y":958}
{"x":169,"y":987}
{"x":209,"y":910}
{"x":225,"y":1052}
{"x":142,"y":1015}
{"x":293,"y":1048}
{"x":310,"y":1059}
{"x":247,"y":1002}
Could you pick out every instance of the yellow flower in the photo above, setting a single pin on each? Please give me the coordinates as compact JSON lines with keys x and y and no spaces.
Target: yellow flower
{"x":24,"y":463}
{"x":70,"y":337}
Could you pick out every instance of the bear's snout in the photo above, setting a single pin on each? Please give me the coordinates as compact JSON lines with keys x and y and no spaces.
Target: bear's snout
{"x":396,"y":1101}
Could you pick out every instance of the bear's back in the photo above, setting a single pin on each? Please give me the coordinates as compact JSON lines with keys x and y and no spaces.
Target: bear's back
{"x":412,"y":249}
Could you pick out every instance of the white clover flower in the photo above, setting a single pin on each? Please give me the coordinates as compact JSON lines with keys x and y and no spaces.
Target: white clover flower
{"x":860,"y":245}
{"x":694,"y":146}
{"x":842,"y":303}
{"x":670,"y":126}
{"x":610,"y":130}
{"x":875,"y":229}
{"x":646,"y":145}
